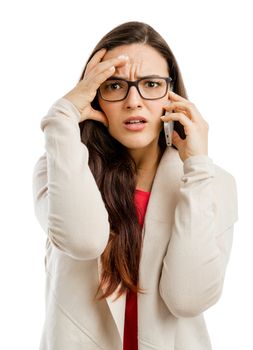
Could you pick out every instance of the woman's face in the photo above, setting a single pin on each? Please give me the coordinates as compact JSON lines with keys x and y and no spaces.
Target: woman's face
{"x":143,"y":61}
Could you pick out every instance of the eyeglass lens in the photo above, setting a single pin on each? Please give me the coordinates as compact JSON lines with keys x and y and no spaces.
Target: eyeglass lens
{"x":149,"y":88}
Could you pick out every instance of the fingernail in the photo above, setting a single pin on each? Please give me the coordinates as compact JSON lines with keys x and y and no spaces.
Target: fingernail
{"x":123,"y":57}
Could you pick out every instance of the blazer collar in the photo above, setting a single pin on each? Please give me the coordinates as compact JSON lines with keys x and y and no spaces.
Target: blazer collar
{"x":165,"y":186}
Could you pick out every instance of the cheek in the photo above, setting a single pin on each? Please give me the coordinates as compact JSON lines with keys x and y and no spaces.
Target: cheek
{"x":107,"y":109}
{"x":156,"y":113}
{"x":111,"y":114}
{"x":103,"y":105}
{"x":157,"y":107}
{"x":111,"y":117}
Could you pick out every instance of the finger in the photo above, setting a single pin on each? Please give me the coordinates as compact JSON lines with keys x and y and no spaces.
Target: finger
{"x":181,"y":117}
{"x":98,"y":66}
{"x":95,"y":60}
{"x":175,"y":97}
{"x":177,"y":141}
{"x":113,"y":62}
{"x":99,"y":78}
{"x":104,"y":70}
{"x":186,"y":107}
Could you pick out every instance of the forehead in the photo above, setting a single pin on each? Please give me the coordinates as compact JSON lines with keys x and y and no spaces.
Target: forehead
{"x":143,"y":60}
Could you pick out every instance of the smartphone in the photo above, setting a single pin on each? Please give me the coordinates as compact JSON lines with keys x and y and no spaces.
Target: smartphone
{"x":168,"y":130}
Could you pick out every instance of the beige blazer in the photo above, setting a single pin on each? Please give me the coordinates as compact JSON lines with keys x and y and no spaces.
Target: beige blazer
{"x":187,"y":237}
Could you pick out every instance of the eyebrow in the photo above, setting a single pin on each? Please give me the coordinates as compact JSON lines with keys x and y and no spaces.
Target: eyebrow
{"x":139,"y":77}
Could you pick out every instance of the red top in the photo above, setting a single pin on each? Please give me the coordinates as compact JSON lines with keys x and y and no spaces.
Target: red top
{"x":131,"y":312}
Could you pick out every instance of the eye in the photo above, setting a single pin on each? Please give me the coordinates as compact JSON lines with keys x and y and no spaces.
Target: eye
{"x":112,"y":85}
{"x":152,"y":84}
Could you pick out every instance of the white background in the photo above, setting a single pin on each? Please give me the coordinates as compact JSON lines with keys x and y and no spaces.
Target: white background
{"x":44,"y":46}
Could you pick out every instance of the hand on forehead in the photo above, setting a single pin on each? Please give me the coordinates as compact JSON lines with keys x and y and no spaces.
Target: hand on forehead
{"x":142,"y":60}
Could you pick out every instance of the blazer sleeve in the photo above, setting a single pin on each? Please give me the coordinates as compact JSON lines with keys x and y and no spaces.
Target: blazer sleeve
{"x":195,"y":262}
{"x":67,"y":201}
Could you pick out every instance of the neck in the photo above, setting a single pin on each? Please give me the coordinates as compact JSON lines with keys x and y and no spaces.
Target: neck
{"x":146,"y":160}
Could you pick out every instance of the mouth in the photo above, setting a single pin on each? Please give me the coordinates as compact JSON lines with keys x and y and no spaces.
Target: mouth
{"x":136,"y":123}
{"x":135,"y":120}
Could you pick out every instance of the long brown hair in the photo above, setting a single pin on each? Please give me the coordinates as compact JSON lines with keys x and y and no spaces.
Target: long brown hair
{"x":115,"y":171}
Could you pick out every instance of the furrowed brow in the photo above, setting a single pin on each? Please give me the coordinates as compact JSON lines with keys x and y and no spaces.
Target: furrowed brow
{"x":138,"y":78}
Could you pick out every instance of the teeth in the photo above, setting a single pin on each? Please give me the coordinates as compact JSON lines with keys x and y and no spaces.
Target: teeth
{"x":135,"y":121}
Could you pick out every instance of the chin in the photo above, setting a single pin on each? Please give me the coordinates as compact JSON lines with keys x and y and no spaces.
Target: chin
{"x":138,"y":142}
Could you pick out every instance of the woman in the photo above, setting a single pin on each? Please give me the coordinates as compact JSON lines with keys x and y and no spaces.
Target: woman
{"x":114,"y":280}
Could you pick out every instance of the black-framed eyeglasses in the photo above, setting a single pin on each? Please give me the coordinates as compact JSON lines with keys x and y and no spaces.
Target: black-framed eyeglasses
{"x":150,"y":87}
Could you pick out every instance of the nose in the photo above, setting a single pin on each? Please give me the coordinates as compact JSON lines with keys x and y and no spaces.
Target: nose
{"x":133,"y":99}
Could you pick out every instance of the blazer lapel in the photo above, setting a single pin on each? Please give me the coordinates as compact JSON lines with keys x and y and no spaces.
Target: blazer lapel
{"x":116,"y":306}
{"x":165,"y":186}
